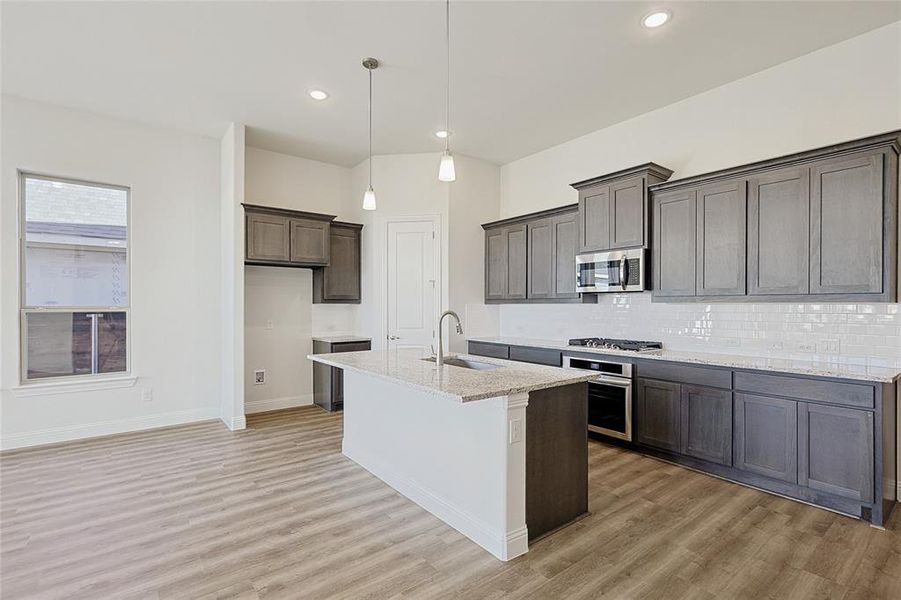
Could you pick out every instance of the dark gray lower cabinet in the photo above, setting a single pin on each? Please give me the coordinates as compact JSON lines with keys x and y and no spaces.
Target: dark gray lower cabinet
{"x":835,"y":450}
{"x":657,"y":414}
{"x":707,"y":424}
{"x":766,"y":436}
{"x":328,"y":382}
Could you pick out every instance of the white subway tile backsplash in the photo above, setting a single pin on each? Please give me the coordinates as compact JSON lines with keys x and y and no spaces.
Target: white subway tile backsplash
{"x":866,"y":334}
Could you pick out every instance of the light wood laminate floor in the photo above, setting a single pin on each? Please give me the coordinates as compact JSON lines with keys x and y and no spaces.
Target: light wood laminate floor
{"x":277,"y":512}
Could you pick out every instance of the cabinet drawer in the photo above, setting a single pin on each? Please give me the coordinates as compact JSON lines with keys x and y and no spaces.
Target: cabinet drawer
{"x":351,"y":346}
{"x":540,"y":356}
{"x":828,"y":392}
{"x":492,"y":350}
{"x":684,"y":374}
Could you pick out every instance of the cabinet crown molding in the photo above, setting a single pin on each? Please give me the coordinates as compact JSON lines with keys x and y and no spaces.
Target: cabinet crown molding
{"x":274,"y":210}
{"x":551,"y":212}
{"x":650,"y":168}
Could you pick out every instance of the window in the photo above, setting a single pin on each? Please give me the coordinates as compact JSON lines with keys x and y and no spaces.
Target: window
{"x":73,"y":239}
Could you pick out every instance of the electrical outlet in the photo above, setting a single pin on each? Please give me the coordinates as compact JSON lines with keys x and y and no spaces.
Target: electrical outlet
{"x":269,"y":324}
{"x":828,"y":347}
{"x":515,"y":431}
{"x":775,"y":346}
{"x":732,"y":342}
{"x":146,"y":394}
{"x":806,"y":347}
{"x":259,"y":377}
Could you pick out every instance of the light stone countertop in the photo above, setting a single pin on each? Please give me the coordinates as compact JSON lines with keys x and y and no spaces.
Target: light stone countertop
{"x":736,"y":361}
{"x":338,"y":339}
{"x":405,"y":366}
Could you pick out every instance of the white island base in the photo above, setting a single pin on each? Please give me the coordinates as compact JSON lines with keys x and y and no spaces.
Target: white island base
{"x":464,"y":462}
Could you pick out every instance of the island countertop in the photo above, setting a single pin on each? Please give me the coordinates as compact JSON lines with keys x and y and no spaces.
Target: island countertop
{"x":406,"y":366}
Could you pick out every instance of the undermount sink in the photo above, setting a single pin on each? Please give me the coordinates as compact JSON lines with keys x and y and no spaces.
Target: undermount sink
{"x":467,"y":364}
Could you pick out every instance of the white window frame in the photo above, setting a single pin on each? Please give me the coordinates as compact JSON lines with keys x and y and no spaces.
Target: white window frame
{"x":25,"y":309}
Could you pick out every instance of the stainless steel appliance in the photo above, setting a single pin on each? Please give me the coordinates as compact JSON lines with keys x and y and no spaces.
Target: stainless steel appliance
{"x":615,"y":271}
{"x":609,"y":395}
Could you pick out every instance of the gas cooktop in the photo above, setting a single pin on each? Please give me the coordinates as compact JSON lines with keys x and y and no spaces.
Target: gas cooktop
{"x":614,"y":344}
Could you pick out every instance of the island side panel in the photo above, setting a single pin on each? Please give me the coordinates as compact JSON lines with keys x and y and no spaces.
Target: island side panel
{"x":556,"y":458}
{"x":451,"y":458}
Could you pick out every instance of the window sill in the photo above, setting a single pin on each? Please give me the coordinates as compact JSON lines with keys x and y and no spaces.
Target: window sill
{"x":69,"y":387}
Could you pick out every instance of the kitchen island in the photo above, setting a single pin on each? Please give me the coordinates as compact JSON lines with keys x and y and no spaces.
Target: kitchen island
{"x":494,"y":448}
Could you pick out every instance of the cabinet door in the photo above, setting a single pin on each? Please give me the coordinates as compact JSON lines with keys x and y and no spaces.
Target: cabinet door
{"x":341,"y":278}
{"x":495,"y":264}
{"x":594,"y":219}
{"x":675,"y":247}
{"x":565,"y":243}
{"x":835,"y":450}
{"x":707,"y":424}
{"x":267,"y":238}
{"x":846,"y":222}
{"x":309,"y":242}
{"x":722,"y":239}
{"x":658,"y":416}
{"x":541,"y":261}
{"x":779,"y":232}
{"x":766,"y":436}
{"x":627,"y":218}
{"x":516,"y":261}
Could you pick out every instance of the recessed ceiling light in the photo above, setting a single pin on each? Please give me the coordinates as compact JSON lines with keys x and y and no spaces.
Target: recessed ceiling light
{"x":441,"y":133}
{"x":318,"y":95}
{"x":656,"y":19}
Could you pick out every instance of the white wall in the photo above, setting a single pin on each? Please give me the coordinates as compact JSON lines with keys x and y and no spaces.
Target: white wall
{"x":842,"y":92}
{"x":175,"y":285}
{"x":407,"y":185}
{"x":283,"y":296}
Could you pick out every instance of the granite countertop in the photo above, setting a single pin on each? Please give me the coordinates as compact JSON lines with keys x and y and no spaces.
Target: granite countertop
{"x":338,"y":339}
{"x":405,"y":366}
{"x":736,"y":361}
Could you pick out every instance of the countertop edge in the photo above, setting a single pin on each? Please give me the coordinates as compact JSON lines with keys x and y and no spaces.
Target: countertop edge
{"x":728,"y":361}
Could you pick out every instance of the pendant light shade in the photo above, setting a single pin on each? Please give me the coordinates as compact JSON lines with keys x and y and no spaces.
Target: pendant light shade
{"x":370,"y":64}
{"x":446,"y":170}
{"x":369,"y":199}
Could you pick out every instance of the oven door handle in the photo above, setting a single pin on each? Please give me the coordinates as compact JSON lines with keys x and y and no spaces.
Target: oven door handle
{"x":617,"y":381}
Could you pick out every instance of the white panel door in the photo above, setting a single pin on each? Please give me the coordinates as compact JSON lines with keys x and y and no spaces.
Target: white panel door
{"x":412,"y":291}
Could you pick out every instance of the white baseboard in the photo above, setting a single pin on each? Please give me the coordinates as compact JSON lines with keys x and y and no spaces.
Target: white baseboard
{"x":235,"y":423}
{"x":503,"y":546}
{"x":88,"y":430}
{"x":267,"y":404}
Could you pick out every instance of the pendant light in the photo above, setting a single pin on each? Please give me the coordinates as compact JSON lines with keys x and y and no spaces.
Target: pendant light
{"x":446,"y":170}
{"x":370,"y":64}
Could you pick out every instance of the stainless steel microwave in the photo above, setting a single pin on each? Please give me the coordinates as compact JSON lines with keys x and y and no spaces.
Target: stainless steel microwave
{"x":614,"y":271}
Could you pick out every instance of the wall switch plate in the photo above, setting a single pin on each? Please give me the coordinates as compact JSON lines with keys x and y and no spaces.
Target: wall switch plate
{"x":146,"y":394}
{"x":806,"y":347}
{"x":259,"y":377}
{"x":515,"y":431}
{"x":828,"y":346}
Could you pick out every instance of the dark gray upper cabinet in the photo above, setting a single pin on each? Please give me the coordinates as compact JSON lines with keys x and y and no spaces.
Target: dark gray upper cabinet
{"x":779,"y":232}
{"x":835,"y":450}
{"x":658,"y":414}
{"x":517,"y":245}
{"x":766,"y":436}
{"x":721,"y":238}
{"x":707,"y":424}
{"x":675,"y":243}
{"x":613,"y":208}
{"x":541,"y":261}
{"x":628,"y":207}
{"x":565,"y":244}
{"x":268,"y":237}
{"x":282,"y":237}
{"x":310,"y":241}
{"x":339,"y":282}
{"x":532,"y":258}
{"x":846,"y":225}
{"x":820,"y":225}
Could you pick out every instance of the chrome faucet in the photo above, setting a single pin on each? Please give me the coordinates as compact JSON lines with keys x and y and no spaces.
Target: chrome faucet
{"x":440,"y":358}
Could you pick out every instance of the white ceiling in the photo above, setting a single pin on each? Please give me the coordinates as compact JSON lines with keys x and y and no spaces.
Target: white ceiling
{"x":526,"y":75}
